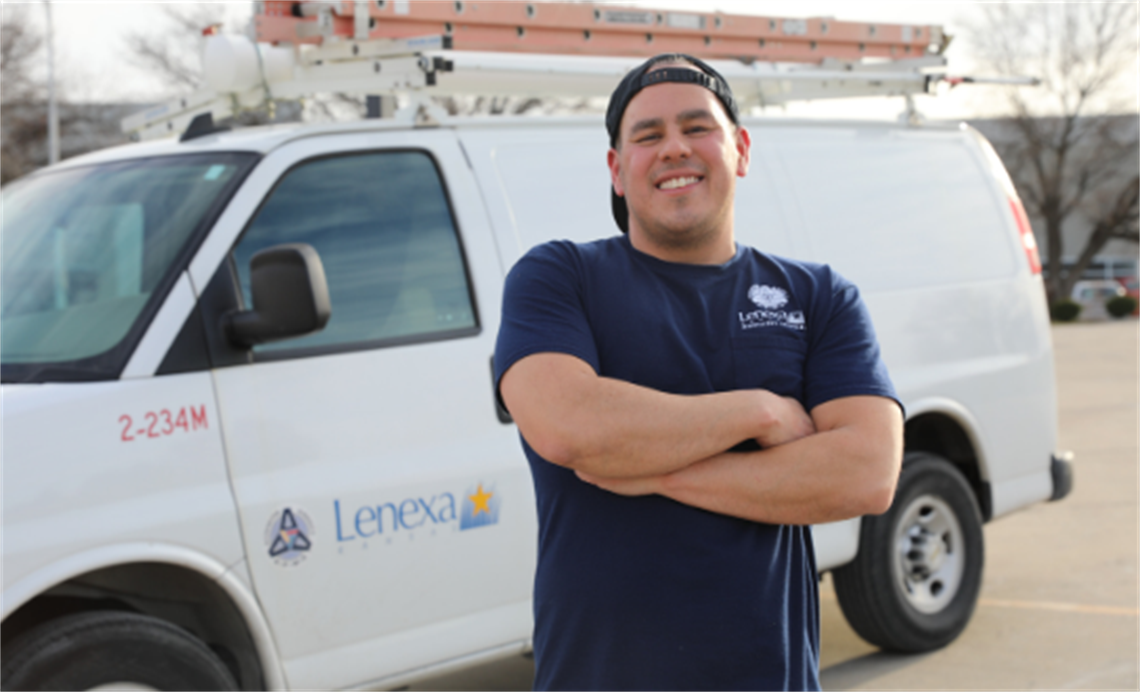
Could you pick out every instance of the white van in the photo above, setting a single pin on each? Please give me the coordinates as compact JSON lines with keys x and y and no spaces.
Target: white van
{"x":211,"y":482}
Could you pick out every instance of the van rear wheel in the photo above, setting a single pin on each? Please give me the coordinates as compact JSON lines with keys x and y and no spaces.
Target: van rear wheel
{"x":916,"y":579}
{"x":111,"y":650}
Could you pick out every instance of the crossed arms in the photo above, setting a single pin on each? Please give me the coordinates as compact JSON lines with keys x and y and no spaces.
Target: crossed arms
{"x":840,"y":461}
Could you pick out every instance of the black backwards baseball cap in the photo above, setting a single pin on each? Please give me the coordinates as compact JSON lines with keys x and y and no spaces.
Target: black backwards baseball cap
{"x":644,"y":76}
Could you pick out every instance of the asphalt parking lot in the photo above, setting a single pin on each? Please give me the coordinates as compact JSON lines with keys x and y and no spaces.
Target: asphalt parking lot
{"x":1059,"y":606}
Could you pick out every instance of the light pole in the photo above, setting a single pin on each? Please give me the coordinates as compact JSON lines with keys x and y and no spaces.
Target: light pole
{"x":53,"y":111}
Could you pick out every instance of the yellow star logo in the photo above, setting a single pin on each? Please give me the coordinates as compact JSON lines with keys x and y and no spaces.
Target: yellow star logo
{"x":480,"y":500}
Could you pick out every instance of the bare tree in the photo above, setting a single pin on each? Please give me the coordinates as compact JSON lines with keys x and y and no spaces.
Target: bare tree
{"x":21,"y":97}
{"x":1069,"y":159}
{"x":172,"y":52}
{"x":19,"y":46}
{"x":23,"y":103}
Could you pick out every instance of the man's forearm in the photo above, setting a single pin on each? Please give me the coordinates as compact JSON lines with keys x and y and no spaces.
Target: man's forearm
{"x":574,"y":418}
{"x":846,"y":470}
{"x":626,"y":430}
{"x":803,"y":482}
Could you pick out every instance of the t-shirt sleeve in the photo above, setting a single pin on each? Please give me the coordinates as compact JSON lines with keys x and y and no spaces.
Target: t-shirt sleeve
{"x":844,"y":358}
{"x":544,"y":309}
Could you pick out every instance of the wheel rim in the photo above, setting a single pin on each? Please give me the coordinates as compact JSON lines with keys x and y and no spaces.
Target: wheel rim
{"x":930,"y":555}
{"x":122,"y":687}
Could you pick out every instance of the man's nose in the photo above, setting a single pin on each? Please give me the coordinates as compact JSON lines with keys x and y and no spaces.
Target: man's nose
{"x":675,"y":146}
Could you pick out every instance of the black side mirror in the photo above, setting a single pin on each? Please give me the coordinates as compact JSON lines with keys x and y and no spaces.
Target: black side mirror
{"x":290,"y":296}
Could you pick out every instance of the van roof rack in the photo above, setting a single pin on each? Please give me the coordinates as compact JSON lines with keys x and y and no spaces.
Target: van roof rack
{"x":422,"y":49}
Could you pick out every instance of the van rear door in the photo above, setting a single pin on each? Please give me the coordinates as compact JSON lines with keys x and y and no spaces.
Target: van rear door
{"x":917,"y":219}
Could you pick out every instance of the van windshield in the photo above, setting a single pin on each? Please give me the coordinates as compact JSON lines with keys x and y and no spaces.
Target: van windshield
{"x":82,"y":251}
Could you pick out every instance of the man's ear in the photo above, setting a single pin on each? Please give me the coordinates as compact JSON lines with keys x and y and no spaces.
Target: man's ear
{"x":743,"y":151}
{"x":613,"y":160}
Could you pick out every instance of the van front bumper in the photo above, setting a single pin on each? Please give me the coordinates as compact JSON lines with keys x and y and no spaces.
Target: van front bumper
{"x":1061,"y":468}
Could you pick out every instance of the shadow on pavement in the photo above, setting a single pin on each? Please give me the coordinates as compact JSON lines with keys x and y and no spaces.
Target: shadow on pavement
{"x":864,"y":670}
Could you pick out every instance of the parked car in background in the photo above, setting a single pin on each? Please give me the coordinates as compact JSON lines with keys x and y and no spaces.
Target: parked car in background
{"x":1092,"y":294}
{"x":1131,"y":286}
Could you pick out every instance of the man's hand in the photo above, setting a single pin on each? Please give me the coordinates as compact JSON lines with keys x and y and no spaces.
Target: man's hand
{"x":785,"y":420}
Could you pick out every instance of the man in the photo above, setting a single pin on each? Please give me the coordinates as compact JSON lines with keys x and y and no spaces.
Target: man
{"x":688,"y":407}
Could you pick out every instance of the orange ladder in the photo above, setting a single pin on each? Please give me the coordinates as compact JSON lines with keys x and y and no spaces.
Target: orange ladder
{"x":592,"y":29}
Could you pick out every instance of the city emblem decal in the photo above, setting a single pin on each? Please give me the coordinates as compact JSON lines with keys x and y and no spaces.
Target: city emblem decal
{"x":288,"y":536}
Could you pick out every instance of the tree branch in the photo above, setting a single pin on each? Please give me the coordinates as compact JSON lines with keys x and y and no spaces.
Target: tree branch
{"x":1062,"y":159}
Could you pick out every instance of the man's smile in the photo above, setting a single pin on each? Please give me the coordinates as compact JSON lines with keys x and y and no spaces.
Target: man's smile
{"x":679,"y":182}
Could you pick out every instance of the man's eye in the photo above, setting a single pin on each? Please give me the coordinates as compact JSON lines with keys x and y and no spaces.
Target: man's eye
{"x":644,"y":139}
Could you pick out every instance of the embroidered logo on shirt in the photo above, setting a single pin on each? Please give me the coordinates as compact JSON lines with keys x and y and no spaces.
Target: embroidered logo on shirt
{"x":770,"y":299}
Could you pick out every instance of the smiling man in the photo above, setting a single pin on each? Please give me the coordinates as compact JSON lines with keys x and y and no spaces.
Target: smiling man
{"x":688,"y":407}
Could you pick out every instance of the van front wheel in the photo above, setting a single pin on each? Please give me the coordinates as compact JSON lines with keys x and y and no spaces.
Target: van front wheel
{"x":915,"y":582}
{"x":111,"y":650}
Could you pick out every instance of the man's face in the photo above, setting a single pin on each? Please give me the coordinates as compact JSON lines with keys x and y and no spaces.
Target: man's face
{"x":677,"y":163}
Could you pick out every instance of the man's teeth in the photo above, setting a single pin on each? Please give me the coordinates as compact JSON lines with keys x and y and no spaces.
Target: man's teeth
{"x":675,"y":183}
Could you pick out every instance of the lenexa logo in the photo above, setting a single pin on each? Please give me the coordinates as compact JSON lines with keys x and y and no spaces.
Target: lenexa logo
{"x":479,"y":506}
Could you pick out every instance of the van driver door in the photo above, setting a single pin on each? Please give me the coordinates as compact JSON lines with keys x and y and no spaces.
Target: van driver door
{"x":386,"y":508}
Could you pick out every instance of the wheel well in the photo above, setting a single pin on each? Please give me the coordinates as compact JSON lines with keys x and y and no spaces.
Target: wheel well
{"x":178,"y":595}
{"x":940,"y":434}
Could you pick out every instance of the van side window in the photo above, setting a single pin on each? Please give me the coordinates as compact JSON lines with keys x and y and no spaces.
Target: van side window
{"x":383,"y":228}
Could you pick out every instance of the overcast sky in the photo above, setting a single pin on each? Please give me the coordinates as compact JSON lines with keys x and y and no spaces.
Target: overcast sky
{"x":94,"y":63}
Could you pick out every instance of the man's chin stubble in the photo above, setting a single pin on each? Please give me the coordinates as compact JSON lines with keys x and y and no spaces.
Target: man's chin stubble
{"x":680,"y":236}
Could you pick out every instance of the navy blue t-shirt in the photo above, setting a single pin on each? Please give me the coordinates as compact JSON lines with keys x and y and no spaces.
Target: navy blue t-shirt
{"x":645,"y":592}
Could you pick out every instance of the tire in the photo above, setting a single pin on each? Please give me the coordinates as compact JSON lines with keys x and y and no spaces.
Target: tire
{"x":915,"y":582}
{"x":114,"y":649}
